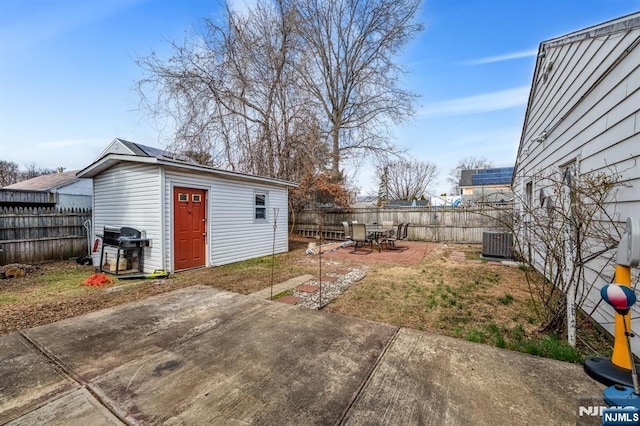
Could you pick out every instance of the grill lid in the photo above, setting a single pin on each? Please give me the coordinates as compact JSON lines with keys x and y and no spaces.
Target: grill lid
{"x":114,"y":235}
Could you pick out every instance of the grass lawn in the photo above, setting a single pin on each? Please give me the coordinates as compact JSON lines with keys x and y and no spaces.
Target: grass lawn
{"x":477,"y":301}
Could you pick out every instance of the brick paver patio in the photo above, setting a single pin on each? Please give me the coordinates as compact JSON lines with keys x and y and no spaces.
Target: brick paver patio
{"x":406,"y":253}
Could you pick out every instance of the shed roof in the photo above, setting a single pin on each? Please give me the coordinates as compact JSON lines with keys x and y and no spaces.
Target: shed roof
{"x":48,"y":182}
{"x":121,"y":150}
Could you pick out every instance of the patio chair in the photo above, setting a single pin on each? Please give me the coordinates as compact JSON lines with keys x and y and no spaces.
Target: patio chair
{"x":359,"y":236}
{"x":347,"y":230}
{"x":405,"y":230}
{"x":393,"y":236}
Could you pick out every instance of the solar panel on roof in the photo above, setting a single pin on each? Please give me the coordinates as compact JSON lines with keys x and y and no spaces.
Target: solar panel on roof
{"x":497,"y":176}
{"x":154,"y":152}
{"x":161,"y":153}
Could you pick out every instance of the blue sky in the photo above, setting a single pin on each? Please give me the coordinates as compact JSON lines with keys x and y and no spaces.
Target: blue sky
{"x":67,"y":73}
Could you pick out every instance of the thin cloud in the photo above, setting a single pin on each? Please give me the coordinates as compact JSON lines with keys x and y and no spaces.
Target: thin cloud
{"x":487,"y":102}
{"x":20,"y":31}
{"x":501,"y":58}
{"x":243,"y":7}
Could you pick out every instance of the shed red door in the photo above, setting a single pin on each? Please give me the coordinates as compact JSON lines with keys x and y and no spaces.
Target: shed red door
{"x":189,"y":228}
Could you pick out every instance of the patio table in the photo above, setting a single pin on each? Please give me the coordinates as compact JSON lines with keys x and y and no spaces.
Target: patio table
{"x":375,"y":232}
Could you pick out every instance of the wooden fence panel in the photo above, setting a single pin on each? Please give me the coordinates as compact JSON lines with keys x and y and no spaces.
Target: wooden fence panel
{"x":436,"y":224}
{"x":32,"y":235}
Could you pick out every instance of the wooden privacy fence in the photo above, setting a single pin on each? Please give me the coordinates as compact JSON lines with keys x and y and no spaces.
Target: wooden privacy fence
{"x":436,"y":224}
{"x":31,"y":235}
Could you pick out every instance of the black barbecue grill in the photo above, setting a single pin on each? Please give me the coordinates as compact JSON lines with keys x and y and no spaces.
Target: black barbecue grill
{"x":127,"y":241}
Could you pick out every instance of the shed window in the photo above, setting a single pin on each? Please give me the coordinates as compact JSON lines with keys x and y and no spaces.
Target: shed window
{"x":260,"y":205}
{"x":183,"y":198}
{"x":196,"y":198}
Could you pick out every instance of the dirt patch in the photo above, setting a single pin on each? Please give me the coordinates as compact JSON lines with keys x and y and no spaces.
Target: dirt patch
{"x":54,"y":291}
{"x":15,"y":270}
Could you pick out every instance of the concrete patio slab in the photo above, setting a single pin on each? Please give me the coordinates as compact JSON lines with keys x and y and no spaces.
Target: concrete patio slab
{"x":204,"y":356}
{"x":431,"y":379}
{"x":78,"y":408}
{"x":27,"y":378}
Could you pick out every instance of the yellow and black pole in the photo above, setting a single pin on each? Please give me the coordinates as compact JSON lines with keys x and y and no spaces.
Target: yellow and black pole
{"x":618,"y":369}
{"x":628,"y":255}
{"x":620,"y":354}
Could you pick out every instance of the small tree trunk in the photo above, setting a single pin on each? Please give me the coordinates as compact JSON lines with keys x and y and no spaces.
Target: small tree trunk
{"x":571,"y":314}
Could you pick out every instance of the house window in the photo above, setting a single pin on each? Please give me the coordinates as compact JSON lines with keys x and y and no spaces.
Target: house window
{"x":260,"y":205}
{"x":528,"y":191}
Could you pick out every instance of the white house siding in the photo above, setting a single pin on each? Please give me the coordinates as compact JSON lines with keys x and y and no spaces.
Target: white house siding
{"x":77,"y":194}
{"x":74,"y":201}
{"x":234,"y":235}
{"x":129,"y":194}
{"x":588,"y":107}
{"x":78,"y":187}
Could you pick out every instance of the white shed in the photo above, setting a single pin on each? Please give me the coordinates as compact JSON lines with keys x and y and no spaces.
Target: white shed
{"x":583,"y":119}
{"x":194,"y":215}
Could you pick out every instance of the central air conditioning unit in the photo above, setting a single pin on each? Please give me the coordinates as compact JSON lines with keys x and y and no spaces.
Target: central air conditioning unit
{"x":497,"y":244}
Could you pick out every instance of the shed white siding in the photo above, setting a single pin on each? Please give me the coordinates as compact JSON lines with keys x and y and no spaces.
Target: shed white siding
{"x":129,"y":194}
{"x":134,"y":185}
{"x":232,"y":220}
{"x":233,"y":233}
{"x":584,"y":108}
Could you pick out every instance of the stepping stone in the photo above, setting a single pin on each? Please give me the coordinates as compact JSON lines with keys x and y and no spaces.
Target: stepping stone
{"x":307,"y":288}
{"x":342,"y":271}
{"x":329,"y":279}
{"x":289,"y":300}
{"x":458,"y":256}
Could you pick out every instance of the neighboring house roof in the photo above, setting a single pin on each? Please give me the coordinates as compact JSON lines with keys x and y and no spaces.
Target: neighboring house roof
{"x":483,"y":177}
{"x":121,"y":150}
{"x":407,"y":203}
{"x":364,"y":201}
{"x":49,"y":182}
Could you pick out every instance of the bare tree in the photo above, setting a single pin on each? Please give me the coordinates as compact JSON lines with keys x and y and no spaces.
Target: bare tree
{"x":408,"y":179}
{"x":349,"y":69}
{"x":567,"y":228}
{"x":262,"y":91}
{"x":234,"y":96}
{"x":467,"y":163}
{"x":9,"y":173}
{"x":32,"y":170}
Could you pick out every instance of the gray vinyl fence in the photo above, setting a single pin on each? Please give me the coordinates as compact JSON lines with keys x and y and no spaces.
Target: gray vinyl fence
{"x":434,"y":224}
{"x":32,"y":235}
